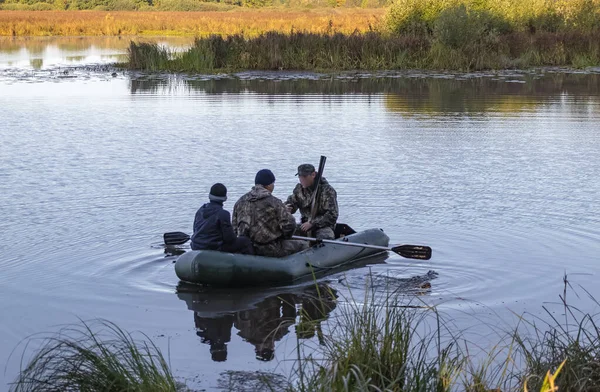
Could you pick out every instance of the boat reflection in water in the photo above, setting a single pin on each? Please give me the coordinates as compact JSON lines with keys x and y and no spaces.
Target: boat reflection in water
{"x":262,"y":316}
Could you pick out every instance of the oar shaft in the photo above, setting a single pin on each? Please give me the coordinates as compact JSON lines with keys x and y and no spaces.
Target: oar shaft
{"x":342,"y":243}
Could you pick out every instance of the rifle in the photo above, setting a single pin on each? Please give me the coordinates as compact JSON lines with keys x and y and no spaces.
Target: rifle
{"x":316,"y":192}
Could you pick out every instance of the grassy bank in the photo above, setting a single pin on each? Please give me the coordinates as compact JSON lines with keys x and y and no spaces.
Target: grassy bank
{"x":249,"y":22}
{"x":382,"y":344}
{"x":367,"y":51}
{"x":431,"y":34}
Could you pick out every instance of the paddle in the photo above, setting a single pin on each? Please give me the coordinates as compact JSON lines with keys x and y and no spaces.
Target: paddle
{"x":175,"y":238}
{"x":409,"y":251}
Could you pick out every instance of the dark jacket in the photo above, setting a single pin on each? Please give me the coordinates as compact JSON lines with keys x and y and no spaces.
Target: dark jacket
{"x":212,"y":227}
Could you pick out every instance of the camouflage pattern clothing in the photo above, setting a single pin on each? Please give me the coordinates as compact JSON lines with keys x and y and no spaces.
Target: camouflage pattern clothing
{"x":264,"y":219}
{"x":327,"y":208}
{"x":324,"y":233}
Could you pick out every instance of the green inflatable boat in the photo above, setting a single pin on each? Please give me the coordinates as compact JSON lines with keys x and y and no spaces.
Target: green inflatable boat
{"x":236,"y":270}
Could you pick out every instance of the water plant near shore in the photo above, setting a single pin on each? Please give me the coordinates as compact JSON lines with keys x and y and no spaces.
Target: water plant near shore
{"x":366,"y":51}
{"x":462,"y":35}
{"x":97,"y":356}
{"x":375,"y":343}
{"x":388,"y":344}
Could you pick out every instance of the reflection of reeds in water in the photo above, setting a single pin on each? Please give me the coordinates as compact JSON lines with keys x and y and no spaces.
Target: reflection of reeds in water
{"x":492,"y":94}
{"x":96,"y":357}
{"x":406,"y":95}
{"x":37,"y":46}
{"x":36,"y":63}
{"x":7,"y":46}
{"x":75,"y":59}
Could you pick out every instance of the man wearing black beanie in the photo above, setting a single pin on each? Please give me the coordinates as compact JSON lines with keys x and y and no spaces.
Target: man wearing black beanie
{"x":212,"y":226}
{"x":265,"y":220}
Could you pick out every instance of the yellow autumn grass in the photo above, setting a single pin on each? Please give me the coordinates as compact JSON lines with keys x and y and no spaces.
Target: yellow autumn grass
{"x":248,"y":22}
{"x":549,"y":380}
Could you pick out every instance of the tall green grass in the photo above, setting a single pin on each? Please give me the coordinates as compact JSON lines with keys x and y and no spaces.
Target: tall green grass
{"x":373,"y":51}
{"x":572,"y":338}
{"x":277,"y":51}
{"x":383,"y":343}
{"x":96,"y":357}
{"x":380,"y":346}
{"x":380,"y":342}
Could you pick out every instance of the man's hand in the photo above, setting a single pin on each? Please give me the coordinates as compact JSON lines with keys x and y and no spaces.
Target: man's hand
{"x":288,"y":207}
{"x":306,"y":226}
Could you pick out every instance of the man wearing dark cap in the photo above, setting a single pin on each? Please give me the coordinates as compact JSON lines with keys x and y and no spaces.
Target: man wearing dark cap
{"x":265,"y":220}
{"x":212,"y":226}
{"x":323,"y":224}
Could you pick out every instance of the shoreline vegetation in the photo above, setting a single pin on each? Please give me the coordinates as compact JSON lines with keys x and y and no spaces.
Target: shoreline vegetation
{"x":463,"y":35}
{"x":382,"y":341}
{"x":371,"y":51}
{"x":457,"y":35}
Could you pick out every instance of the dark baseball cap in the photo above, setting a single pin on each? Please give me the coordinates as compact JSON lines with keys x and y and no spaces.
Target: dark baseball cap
{"x":305,"y":169}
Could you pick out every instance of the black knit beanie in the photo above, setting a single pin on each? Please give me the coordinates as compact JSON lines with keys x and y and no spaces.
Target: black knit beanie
{"x":264,"y":177}
{"x":218,"y":192}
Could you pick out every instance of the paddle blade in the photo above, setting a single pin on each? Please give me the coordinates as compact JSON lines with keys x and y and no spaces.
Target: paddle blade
{"x":413,"y":251}
{"x":175,"y":238}
{"x":342,"y":230}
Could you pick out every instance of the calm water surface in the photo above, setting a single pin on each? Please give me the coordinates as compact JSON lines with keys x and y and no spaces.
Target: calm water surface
{"x":498,"y":173}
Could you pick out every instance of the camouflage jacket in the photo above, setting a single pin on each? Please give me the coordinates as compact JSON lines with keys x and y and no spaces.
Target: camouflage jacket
{"x":262,"y":217}
{"x":327,"y":209}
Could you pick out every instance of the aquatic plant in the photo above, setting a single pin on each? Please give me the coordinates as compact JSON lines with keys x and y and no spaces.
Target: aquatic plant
{"x":380,"y":346}
{"x":386,"y":340}
{"x":382,"y":342}
{"x":370,"y":51}
{"x":97,"y":356}
{"x":570,"y":345}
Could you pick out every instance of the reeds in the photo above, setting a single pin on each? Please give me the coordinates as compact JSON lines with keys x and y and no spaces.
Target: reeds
{"x":368,"y":51}
{"x":462,"y":35}
{"x":278,"y":51}
{"x":249,"y":22}
{"x":380,"y":346}
{"x":571,"y":343}
{"x":96,"y":357}
{"x":387,"y":344}
{"x":380,"y":342}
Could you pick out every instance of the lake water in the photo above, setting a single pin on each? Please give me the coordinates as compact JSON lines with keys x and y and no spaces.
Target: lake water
{"x":497,"y":172}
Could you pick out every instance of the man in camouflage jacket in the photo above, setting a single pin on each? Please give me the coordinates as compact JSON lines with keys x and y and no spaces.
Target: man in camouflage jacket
{"x":323,"y":225}
{"x":265,"y":220}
